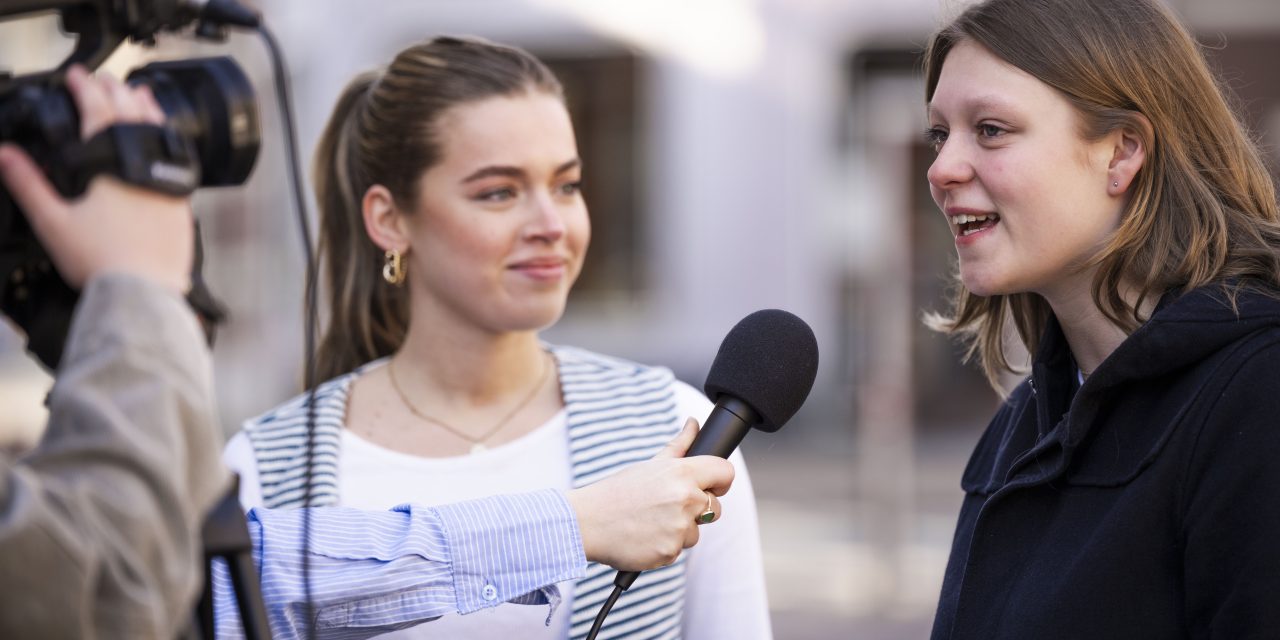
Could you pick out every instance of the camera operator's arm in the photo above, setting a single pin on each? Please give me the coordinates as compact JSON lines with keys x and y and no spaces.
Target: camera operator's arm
{"x":100,"y":524}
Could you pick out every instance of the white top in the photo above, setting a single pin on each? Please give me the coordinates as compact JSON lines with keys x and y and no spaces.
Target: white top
{"x":725,"y":579}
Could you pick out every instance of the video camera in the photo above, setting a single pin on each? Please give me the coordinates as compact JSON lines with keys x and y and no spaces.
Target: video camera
{"x":210,"y":138}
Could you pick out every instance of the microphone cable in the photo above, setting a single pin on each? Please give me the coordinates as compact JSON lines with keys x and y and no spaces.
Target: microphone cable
{"x":618,"y":588}
{"x":280,"y":76}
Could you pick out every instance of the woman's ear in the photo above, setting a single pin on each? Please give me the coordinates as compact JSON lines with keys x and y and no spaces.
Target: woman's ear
{"x":1129,"y":154}
{"x":383,"y":220}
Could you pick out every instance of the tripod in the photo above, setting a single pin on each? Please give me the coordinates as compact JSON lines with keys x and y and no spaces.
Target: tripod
{"x":226,"y":536}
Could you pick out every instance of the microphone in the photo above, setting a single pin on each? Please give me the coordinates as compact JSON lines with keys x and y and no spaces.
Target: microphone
{"x":762,"y":374}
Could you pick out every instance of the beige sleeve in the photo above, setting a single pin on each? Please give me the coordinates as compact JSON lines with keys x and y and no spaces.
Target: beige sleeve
{"x":100,"y":524}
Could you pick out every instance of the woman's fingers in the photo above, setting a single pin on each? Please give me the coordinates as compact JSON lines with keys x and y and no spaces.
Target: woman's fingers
{"x":679,"y":445}
{"x":641,"y":517}
{"x":711,"y":473}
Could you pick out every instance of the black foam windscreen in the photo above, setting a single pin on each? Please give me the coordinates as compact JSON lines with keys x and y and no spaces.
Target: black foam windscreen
{"x":768,"y":360}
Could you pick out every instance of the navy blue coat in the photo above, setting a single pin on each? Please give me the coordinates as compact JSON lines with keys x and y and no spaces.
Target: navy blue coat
{"x":1143,"y":504}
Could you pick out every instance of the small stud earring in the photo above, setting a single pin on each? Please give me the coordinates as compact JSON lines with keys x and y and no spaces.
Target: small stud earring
{"x":1115,"y":184}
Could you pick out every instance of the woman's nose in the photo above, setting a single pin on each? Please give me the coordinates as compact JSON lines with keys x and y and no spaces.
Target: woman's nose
{"x":951,"y":167}
{"x":548,"y":220}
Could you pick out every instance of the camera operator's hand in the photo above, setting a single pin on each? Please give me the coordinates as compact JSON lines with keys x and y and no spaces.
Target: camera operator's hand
{"x":114,"y":227}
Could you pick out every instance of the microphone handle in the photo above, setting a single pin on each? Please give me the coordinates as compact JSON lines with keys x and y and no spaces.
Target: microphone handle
{"x":726,"y":426}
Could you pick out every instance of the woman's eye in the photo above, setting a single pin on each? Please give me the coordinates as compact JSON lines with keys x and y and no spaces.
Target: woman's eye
{"x":497,"y":195}
{"x":571,"y":188}
{"x":935,"y":137}
{"x":989,"y":131}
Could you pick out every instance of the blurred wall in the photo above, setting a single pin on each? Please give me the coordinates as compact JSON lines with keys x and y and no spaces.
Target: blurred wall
{"x":746,"y":196}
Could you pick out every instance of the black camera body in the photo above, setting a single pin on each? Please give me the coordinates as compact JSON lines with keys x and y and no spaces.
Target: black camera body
{"x":211,"y":137}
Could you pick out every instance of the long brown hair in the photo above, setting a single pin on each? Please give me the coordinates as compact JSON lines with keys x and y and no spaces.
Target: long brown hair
{"x":383,"y":132}
{"x":1202,"y":209}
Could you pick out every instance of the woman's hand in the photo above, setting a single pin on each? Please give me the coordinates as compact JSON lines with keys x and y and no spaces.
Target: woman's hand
{"x":645,"y":515}
{"x":114,"y":227}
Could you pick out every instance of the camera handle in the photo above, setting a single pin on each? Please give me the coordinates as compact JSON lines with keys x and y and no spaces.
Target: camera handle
{"x":226,"y":536}
{"x":150,"y":156}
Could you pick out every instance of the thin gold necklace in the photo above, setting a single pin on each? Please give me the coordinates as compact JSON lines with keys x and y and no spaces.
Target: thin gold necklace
{"x":477,"y":443}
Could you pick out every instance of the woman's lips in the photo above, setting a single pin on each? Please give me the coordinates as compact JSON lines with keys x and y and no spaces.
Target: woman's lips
{"x":543,"y":269}
{"x":967,"y":225}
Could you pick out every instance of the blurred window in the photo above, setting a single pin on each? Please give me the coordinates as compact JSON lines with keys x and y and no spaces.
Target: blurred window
{"x":603,"y":92}
{"x":946,"y":394}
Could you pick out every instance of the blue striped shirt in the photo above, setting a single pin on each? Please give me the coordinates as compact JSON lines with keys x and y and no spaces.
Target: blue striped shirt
{"x":374,"y":572}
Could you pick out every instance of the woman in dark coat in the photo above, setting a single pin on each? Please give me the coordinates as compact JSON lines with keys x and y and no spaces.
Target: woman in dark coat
{"x":1109,"y":212}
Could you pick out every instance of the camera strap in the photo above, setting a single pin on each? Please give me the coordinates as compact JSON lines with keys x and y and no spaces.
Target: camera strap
{"x":150,"y":156}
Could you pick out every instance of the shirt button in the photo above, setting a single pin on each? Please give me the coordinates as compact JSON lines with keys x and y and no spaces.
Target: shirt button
{"x":489,"y":592}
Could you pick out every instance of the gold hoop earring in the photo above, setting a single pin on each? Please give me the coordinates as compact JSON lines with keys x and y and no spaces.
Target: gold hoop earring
{"x":393,"y":268}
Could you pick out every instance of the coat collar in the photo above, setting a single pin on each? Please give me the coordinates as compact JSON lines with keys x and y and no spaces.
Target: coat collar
{"x":1107,"y":431}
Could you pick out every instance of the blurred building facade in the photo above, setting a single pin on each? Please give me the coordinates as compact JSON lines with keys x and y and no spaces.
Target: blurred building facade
{"x":739,"y":154}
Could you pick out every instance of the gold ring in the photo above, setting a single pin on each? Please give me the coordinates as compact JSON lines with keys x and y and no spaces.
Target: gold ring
{"x":707,"y":514}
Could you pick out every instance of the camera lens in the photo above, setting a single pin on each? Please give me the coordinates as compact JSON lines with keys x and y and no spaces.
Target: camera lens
{"x":210,"y":101}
